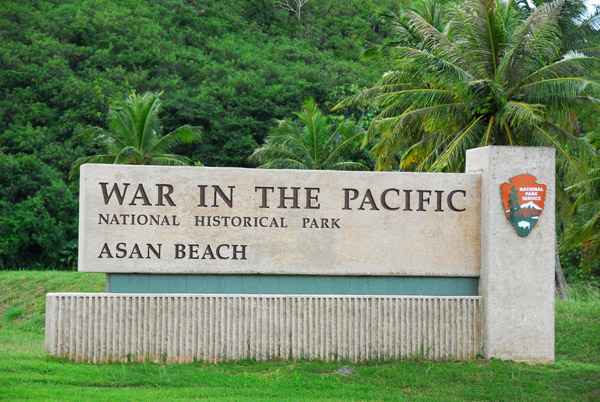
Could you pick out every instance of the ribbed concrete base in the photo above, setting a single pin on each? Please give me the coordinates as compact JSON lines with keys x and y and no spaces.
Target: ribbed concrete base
{"x":182,"y":328}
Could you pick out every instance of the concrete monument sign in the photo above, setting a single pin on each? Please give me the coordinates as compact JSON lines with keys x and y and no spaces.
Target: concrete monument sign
{"x":230,"y":221}
{"x":214,"y":264}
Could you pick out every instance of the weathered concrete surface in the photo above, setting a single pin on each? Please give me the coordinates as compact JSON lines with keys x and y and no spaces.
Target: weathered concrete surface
{"x":100,"y":327}
{"x":278,"y":221}
{"x":517,"y":273}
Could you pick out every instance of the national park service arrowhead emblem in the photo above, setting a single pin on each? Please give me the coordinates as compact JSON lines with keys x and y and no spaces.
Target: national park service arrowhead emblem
{"x":523,"y":201}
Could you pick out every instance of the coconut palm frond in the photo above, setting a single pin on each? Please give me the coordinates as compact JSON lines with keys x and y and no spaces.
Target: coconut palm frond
{"x":130,"y":155}
{"x":437,"y":43}
{"x":561,"y":91}
{"x":573,"y":64}
{"x":133,"y":136}
{"x":583,"y":36}
{"x":170,"y":160}
{"x":309,"y":142}
{"x":183,"y":135}
{"x":535,"y":44}
{"x":459,"y":143}
{"x":521,"y":115}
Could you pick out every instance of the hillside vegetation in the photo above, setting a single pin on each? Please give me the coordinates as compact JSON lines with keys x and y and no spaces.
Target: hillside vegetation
{"x":230,"y":67}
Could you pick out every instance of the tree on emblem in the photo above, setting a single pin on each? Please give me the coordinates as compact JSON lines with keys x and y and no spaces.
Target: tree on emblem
{"x":513,"y":200}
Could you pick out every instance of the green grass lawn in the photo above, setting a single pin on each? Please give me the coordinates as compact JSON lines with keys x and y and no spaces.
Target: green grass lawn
{"x":27,"y":373}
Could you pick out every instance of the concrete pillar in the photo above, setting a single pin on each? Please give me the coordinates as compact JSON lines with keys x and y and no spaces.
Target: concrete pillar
{"x":517,"y":273}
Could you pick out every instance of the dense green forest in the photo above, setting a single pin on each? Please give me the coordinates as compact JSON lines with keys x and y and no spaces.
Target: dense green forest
{"x":232,"y":68}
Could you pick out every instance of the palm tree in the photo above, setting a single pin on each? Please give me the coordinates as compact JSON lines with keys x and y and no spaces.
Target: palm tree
{"x":492,"y":75}
{"x":584,"y":229}
{"x":133,"y":135}
{"x":309,"y":143}
{"x":579,"y":29}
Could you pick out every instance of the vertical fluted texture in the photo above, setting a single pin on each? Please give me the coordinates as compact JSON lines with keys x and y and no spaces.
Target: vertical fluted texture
{"x":182,"y":328}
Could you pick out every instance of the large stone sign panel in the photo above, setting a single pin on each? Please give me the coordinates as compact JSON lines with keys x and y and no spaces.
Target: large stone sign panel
{"x":150,"y":219}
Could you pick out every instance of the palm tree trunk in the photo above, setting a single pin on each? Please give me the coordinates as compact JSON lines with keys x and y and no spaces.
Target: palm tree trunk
{"x":562,"y":292}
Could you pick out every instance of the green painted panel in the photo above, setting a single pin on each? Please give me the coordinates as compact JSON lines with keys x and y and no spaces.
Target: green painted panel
{"x":447,"y":287}
{"x":195,"y":284}
{"x":138,"y":283}
{"x":467,"y":286}
{"x":430,"y":286}
{"x":157,"y":284}
{"x":251,"y":284}
{"x":359,"y":285}
{"x":232,"y":284}
{"x":214,"y":284}
{"x":323,"y":285}
{"x":292,"y":284}
{"x":394,"y":285}
{"x":119,"y":283}
{"x":376,"y":285}
{"x":288,"y":285}
{"x":306,"y":285}
{"x":269,"y":285}
{"x":176,"y":284}
{"x":341,"y":285}
{"x":412,"y":286}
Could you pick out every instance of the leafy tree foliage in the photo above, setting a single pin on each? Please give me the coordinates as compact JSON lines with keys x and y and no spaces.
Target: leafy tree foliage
{"x":310,"y":143}
{"x":229,"y":67}
{"x":582,"y":229}
{"x":491,"y":76}
{"x":133,"y":136}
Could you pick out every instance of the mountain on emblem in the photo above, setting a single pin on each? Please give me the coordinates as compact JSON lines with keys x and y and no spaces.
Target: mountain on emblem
{"x":523,"y":201}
